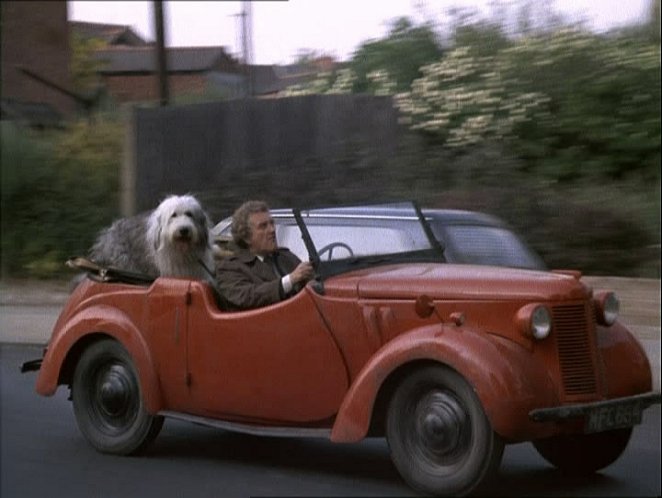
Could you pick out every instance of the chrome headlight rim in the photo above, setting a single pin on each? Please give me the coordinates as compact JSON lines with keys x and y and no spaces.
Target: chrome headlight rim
{"x":607,"y":308}
{"x":541,"y":323}
{"x":535,"y":321}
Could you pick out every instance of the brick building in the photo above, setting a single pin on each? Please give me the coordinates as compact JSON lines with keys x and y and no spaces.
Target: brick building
{"x":36,"y":41}
{"x":130,"y":72}
{"x":35,"y":36}
{"x":129,"y":69}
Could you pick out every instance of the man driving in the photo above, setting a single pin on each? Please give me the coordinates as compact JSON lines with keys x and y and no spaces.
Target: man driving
{"x":258,"y":273}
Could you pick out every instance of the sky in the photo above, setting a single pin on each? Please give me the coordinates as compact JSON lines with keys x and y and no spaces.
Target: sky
{"x":282,"y":29}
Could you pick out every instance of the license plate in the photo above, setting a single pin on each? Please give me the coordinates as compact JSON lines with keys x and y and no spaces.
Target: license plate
{"x":613,"y":417}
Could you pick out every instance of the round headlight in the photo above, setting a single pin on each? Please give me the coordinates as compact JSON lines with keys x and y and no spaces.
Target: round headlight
{"x":541,"y":322}
{"x":608,"y":308}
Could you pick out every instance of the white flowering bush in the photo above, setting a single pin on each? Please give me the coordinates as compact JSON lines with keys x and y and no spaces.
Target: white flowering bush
{"x":325,"y":83}
{"x":569,"y":104}
{"x":382,"y":83}
{"x":604,"y":93}
{"x":463,"y":100}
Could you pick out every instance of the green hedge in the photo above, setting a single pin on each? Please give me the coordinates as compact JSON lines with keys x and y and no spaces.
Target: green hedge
{"x":600,"y":227}
{"x":58,"y":189}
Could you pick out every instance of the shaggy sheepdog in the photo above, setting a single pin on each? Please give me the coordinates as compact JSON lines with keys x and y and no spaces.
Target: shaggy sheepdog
{"x":172,"y":240}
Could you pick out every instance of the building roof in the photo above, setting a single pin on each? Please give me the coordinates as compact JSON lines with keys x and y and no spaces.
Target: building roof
{"x":269,"y":79}
{"x":179,"y":59}
{"x":112,"y":34}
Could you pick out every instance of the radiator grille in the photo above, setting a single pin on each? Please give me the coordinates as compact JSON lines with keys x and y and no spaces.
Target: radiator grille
{"x":574,"y":347}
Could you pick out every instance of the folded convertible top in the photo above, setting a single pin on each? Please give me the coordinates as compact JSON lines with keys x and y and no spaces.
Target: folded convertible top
{"x":100,"y":274}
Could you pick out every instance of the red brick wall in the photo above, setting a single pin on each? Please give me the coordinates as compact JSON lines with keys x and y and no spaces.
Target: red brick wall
{"x":35,"y":35}
{"x":131,"y":88}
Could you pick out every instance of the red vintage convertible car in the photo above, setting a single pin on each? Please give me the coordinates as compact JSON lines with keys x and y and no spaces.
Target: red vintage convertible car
{"x":449,"y":362}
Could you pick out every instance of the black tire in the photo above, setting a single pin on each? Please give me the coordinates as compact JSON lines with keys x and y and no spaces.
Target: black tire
{"x":440,"y":439}
{"x":108,"y":403}
{"x":582,"y":454}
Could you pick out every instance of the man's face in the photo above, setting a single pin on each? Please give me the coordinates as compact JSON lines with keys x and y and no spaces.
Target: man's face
{"x":263,"y":234}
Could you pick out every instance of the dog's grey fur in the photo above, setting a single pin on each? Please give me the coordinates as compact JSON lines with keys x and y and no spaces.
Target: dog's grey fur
{"x":172,"y":240}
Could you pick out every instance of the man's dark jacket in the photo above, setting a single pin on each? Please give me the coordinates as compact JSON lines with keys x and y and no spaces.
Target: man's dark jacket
{"x":245,"y":282}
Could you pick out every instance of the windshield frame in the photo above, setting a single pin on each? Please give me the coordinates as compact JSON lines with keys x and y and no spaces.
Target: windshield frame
{"x":326,"y":269}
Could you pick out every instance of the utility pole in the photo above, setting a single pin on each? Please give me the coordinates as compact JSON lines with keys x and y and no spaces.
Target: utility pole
{"x":161,"y":61}
{"x":247,"y":44}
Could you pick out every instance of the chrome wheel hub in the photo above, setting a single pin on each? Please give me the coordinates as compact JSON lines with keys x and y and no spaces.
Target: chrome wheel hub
{"x":114,"y":393}
{"x":441,"y":423}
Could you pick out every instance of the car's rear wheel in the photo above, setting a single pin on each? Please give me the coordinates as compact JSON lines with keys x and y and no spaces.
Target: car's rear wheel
{"x":582,"y":454}
{"x":440,"y":438}
{"x":108,"y":403}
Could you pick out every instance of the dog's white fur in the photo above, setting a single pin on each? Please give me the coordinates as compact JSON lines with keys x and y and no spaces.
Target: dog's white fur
{"x":172,"y":240}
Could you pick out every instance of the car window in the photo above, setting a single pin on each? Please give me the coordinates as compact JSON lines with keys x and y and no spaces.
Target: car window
{"x":468,"y":244}
{"x":484,"y":245}
{"x":361,"y":240}
{"x":290,"y":236}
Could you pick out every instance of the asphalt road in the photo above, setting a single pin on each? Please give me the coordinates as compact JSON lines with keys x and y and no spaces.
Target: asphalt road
{"x":43,"y":454}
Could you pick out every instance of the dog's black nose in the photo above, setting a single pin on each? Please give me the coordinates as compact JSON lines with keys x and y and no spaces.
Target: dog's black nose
{"x":184,"y":232}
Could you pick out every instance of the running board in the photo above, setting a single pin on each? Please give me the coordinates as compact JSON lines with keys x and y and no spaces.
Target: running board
{"x":255,"y":430}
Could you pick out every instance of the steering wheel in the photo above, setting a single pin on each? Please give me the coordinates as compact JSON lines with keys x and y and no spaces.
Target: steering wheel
{"x":330,"y":247}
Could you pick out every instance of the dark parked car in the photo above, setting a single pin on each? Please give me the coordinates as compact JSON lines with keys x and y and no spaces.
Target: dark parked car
{"x":467,"y":237}
{"x":448,"y":362}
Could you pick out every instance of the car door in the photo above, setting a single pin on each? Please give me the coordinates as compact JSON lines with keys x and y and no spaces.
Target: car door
{"x":277,"y":364}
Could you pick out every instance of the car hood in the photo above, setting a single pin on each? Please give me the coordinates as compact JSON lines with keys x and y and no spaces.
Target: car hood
{"x":447,"y":281}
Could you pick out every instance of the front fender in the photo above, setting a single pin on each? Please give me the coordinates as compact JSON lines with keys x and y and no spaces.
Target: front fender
{"x":626,"y":367}
{"x":507,"y":381}
{"x":109,"y":321}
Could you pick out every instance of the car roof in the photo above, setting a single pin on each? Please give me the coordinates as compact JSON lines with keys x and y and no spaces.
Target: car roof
{"x":446,"y":216}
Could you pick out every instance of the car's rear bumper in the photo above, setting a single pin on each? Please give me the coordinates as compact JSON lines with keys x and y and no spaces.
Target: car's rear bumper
{"x":600,"y":415}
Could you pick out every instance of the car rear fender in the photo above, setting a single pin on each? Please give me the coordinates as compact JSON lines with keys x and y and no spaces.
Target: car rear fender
{"x":503,"y":374}
{"x":85,"y":327}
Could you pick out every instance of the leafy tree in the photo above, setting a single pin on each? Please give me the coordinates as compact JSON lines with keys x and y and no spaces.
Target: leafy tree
{"x":380,"y":67}
{"x":85,"y":66}
{"x":482,"y":37}
{"x":401,"y":54}
{"x":571,"y":104}
{"x":604,"y":100}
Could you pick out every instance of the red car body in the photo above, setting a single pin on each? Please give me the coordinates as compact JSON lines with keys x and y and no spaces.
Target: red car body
{"x":328,"y":363}
{"x":318,"y":361}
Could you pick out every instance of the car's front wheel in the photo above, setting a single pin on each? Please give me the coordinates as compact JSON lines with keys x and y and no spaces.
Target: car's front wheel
{"x":440,"y":438}
{"x":108,"y":403}
{"x":581,"y":454}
